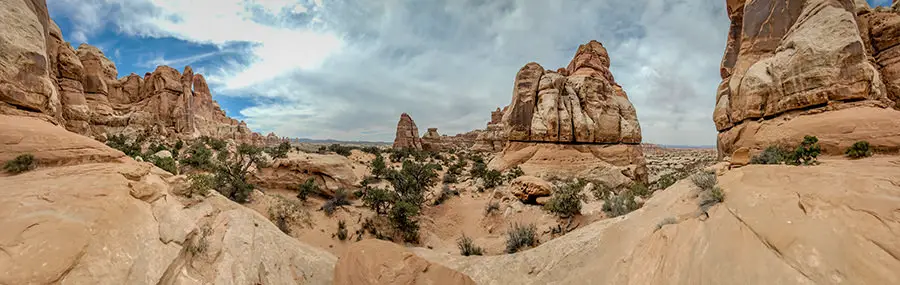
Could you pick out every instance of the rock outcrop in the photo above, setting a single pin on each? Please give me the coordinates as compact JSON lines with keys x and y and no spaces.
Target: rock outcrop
{"x":493,"y":138}
{"x":579,"y":111}
{"x":42,"y":76}
{"x":89,"y":214}
{"x":433,"y":141}
{"x":379,"y":262}
{"x":407,"y":133}
{"x":330,"y":171}
{"x":795,"y":64}
{"x":835,"y":223}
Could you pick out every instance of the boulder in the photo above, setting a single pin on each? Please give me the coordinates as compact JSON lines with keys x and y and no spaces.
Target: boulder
{"x":740,"y":157}
{"x":528,"y":188}
{"x":331,"y":172}
{"x":407,"y":133}
{"x":163,"y":154}
{"x":379,"y":262}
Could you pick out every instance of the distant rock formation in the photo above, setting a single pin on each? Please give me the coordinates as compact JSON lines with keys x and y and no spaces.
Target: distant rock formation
{"x":433,"y":141}
{"x":823,"y":68}
{"x":493,"y":138}
{"x":407,"y":133}
{"x":573,"y":122}
{"x":42,"y":76}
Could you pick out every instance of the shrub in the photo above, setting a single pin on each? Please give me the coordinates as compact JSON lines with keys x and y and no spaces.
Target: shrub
{"x":342,"y":230}
{"x":281,"y":150}
{"x":492,"y":178}
{"x":165,"y":163}
{"x":214,"y":143}
{"x":772,"y":155}
{"x":467,"y":247}
{"x":665,"y":181}
{"x":478,"y":170}
{"x":198,"y":156}
{"x":445,"y":194}
{"x":491,"y":208}
{"x":371,"y":149}
{"x":666,"y":221}
{"x":807,"y":152}
{"x":566,"y":200}
{"x":286,"y":213}
{"x":339,"y":149}
{"x":403,"y":218}
{"x":620,"y":204}
{"x":412,"y":181}
{"x":450,"y":178}
{"x":640,"y":190}
{"x":599,"y":191}
{"x":704,"y":180}
{"x":231,"y":174}
{"x":22,"y":163}
{"x":340,"y":199}
{"x":379,"y":168}
{"x":520,"y":237}
{"x":200,"y":184}
{"x":859,"y":150}
{"x":711,"y":197}
{"x":513,"y":173}
{"x":178,"y":145}
{"x":379,"y":200}
{"x":308,"y":187}
{"x":120,"y":142}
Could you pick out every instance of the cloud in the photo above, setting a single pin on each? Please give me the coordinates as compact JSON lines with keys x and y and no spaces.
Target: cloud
{"x":346,"y":69}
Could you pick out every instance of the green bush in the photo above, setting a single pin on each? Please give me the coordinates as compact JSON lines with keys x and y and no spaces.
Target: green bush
{"x":379,"y":168}
{"x":198,"y":156}
{"x":403,"y":217}
{"x":808,"y":151}
{"x":640,"y":190}
{"x":467,"y":247}
{"x":566,"y":199}
{"x":200,"y":184}
{"x":665,"y":181}
{"x":306,"y":188}
{"x":478,"y":170}
{"x":379,"y":200}
{"x":620,"y":204}
{"x":513,"y":173}
{"x":340,"y":199}
{"x":450,"y":178}
{"x":520,"y":237}
{"x":491,"y":208}
{"x":445,"y":194}
{"x":704,"y":180}
{"x":120,"y":142}
{"x":339,"y":149}
{"x":280,"y":151}
{"x":286,"y":213}
{"x":771,"y":155}
{"x":342,"y":230}
{"x":214,"y":143}
{"x":492,"y":178}
{"x":599,"y":191}
{"x":165,"y":163}
{"x":231,"y":172}
{"x":22,"y":163}
{"x":859,"y":150}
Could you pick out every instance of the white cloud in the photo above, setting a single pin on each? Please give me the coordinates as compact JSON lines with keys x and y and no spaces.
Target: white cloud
{"x":346,"y":69}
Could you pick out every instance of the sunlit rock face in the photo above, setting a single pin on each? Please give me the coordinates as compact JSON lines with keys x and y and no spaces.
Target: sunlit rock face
{"x":407,"y":133}
{"x":818,"y":67}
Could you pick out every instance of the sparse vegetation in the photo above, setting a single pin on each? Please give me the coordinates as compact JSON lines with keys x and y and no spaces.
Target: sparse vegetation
{"x":478,"y":170}
{"x":379,"y":200}
{"x":620,"y":204}
{"x":342,"y":230}
{"x":599,"y":191}
{"x":199,"y":184}
{"x":214,"y":143}
{"x":666,"y":221}
{"x":450,"y":178}
{"x":379,"y":168}
{"x":492,"y":178}
{"x":521,"y":237}
{"x":513,"y":173}
{"x":286,"y":213}
{"x":339,"y":149}
{"x":771,"y":155}
{"x":306,"y":188}
{"x":121,"y":143}
{"x":491,"y":208}
{"x":231,"y":173}
{"x":22,"y":163}
{"x":340,"y":199}
{"x":665,"y":181}
{"x":403,"y":217}
{"x":445,"y":194}
{"x":808,"y":151}
{"x":640,"y":190}
{"x":704,"y":180}
{"x":280,"y":151}
{"x":467,"y":247}
{"x":198,"y":156}
{"x":165,"y":163}
{"x":566,"y":200}
{"x":805,"y":154}
{"x":710,"y":193}
{"x":859,"y":150}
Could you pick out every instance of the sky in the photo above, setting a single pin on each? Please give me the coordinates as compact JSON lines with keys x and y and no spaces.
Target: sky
{"x":346,"y":70}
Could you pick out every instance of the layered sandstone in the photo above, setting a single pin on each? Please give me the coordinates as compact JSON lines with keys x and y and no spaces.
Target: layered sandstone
{"x":380,"y":262}
{"x":432,"y":140}
{"x":330,"y":171}
{"x":42,"y":76}
{"x":407,"y":133}
{"x":823,"y":68}
{"x":579,"y":111}
{"x":493,"y":138}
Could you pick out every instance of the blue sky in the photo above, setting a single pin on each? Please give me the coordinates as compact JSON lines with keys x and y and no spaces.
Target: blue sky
{"x":345,"y":69}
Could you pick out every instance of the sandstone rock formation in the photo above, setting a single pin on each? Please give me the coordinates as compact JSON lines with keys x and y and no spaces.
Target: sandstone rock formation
{"x":331,"y":172}
{"x":573,"y":122}
{"x":793,"y":65}
{"x":89,"y":214}
{"x":493,"y":138}
{"x":407,"y":133}
{"x":528,"y":189}
{"x":42,"y":76}
{"x":380,"y":262}
{"x":432,"y":140}
{"x":835,"y":223}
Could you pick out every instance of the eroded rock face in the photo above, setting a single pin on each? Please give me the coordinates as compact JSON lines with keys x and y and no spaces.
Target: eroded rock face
{"x":528,"y":189}
{"x":572,"y":116}
{"x":88,"y":214}
{"x":494,"y":137}
{"x":407,"y":133}
{"x":791,"y":59}
{"x":41,"y":75}
{"x":432,"y":140}
{"x":379,"y":262}
{"x":331,"y":172}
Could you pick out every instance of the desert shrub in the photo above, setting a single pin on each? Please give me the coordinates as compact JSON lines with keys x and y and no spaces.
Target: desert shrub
{"x":339,"y":149}
{"x":566,"y":200}
{"x":306,"y":188}
{"x":198,"y":242}
{"x":619,"y":204}
{"x":340,"y":199}
{"x":492,"y":178}
{"x":513,"y":173}
{"x":491,"y":208}
{"x":231,"y":173}
{"x":467,"y":247}
{"x":412,"y":181}
{"x":368,"y":180}
{"x":599,"y":191}
{"x":379,"y":200}
{"x":704,"y":180}
{"x":371,"y":149}
{"x":198,"y":156}
{"x":200,"y":184}
{"x":403,"y":217}
{"x":286,"y":213}
{"x":520,"y":237}
{"x":154,"y":148}
{"x":445,"y":194}
{"x":807,"y":152}
{"x":477,"y":158}
{"x":178,"y":145}
{"x":22,"y":163}
{"x":478,"y":170}
{"x":771,"y":155}
{"x":665,"y":181}
{"x":666,"y":221}
{"x":121,"y":143}
{"x":450,"y":178}
{"x":342,"y":230}
{"x":640,"y":190}
{"x":214,"y":143}
{"x":379,"y":168}
{"x":165,"y":163}
{"x":280,"y":151}
{"x":859,"y":150}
